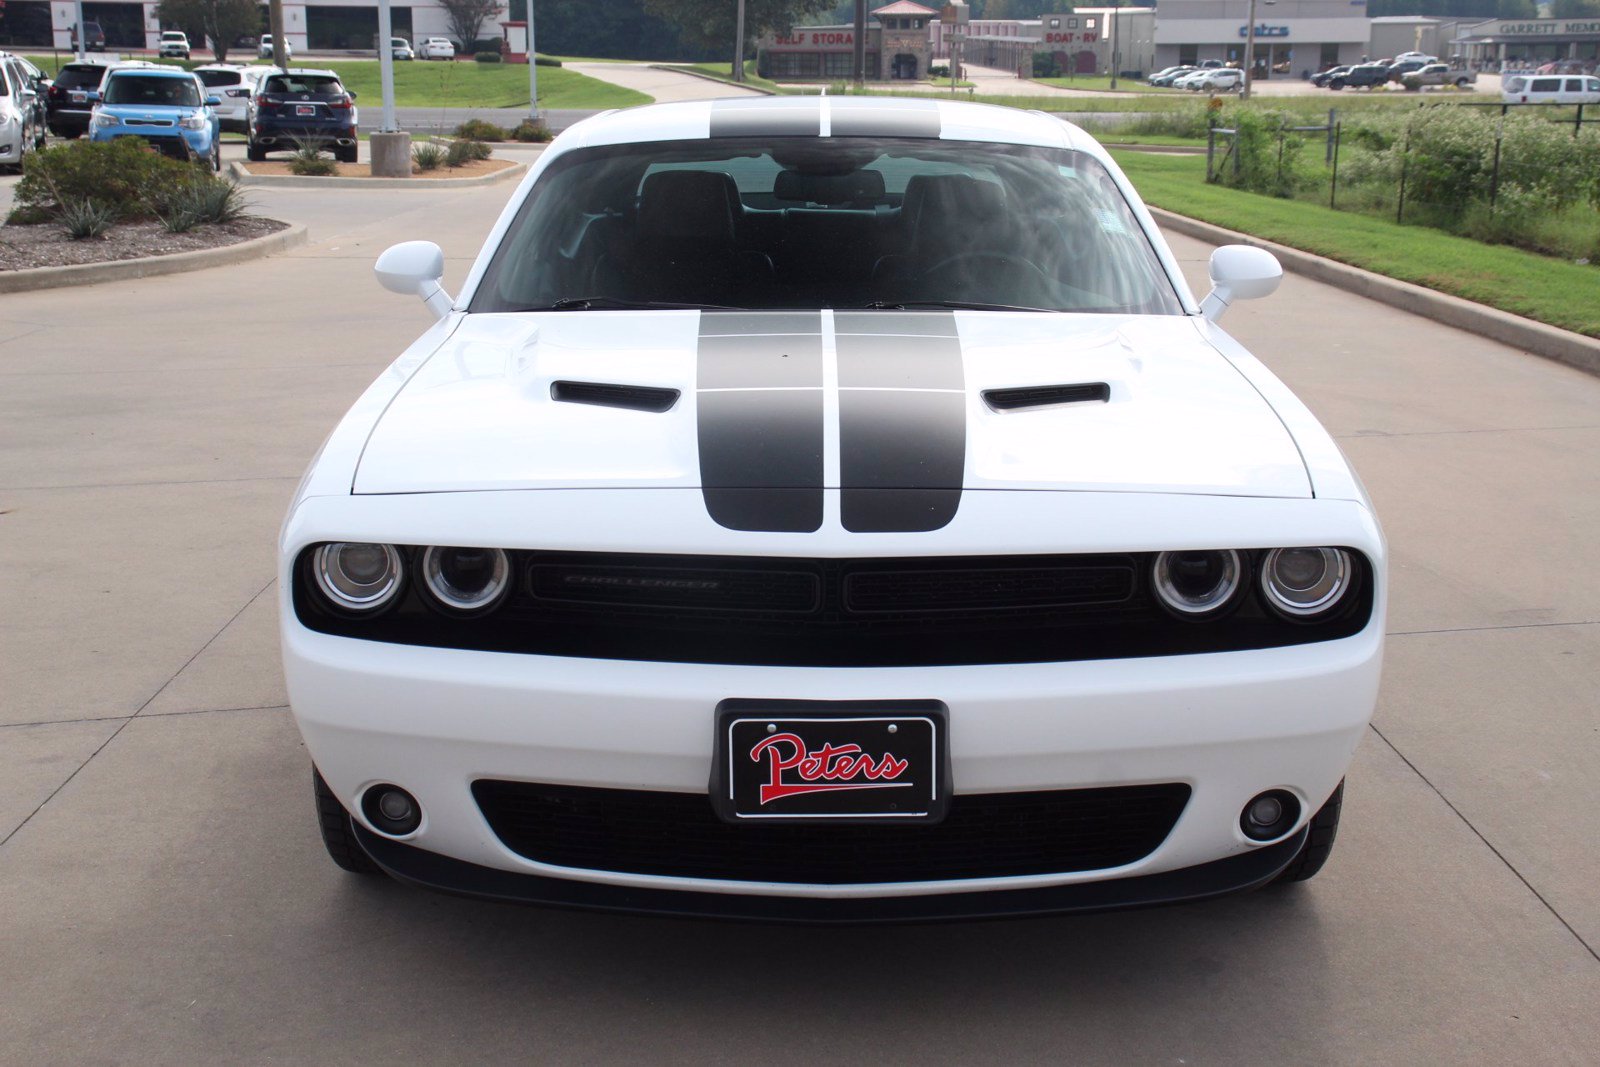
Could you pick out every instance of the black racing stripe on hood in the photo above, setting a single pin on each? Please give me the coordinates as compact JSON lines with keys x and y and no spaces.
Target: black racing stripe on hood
{"x":760,"y":418}
{"x":902,"y":421}
{"x":767,"y":117}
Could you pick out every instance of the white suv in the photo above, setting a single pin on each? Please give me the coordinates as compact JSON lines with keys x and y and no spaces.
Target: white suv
{"x":236,"y":86}
{"x":174,"y":45}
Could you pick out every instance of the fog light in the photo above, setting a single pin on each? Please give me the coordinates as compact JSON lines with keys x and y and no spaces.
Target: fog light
{"x":391,"y":810}
{"x":1269,"y":815}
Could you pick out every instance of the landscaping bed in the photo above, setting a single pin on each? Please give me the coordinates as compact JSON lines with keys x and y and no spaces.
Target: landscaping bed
{"x":47,"y":244}
{"x":474,"y":169}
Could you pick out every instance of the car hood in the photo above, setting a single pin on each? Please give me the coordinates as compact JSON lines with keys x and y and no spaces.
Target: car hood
{"x":782,"y":400}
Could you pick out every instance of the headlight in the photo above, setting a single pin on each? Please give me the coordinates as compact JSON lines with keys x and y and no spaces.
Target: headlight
{"x":465,"y":581}
{"x":104,"y":120}
{"x":197,"y":121}
{"x":356,"y":576}
{"x":1197,"y":584}
{"x":1304,"y":582}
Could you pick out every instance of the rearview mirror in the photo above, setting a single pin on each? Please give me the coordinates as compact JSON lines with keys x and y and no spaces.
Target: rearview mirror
{"x":1240,"y":272}
{"x":415,"y":268}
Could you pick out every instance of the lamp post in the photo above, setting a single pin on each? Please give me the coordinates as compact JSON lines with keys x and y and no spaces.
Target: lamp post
{"x":533,"y":71}
{"x":859,"y":43}
{"x":738,"y":44}
{"x":83,"y":45}
{"x":1250,"y":49}
{"x":1116,"y":9}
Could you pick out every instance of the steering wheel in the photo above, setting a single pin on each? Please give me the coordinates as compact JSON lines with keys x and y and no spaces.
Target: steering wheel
{"x":1032,"y":274}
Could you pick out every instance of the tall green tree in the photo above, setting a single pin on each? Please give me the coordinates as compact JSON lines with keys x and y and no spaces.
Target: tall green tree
{"x":223,"y":21}
{"x":1516,"y":9}
{"x":1574,"y":9}
{"x":467,"y":18}
{"x":710,"y":23}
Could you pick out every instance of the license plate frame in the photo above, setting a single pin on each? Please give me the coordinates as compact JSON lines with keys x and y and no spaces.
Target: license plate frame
{"x":302,"y":111}
{"x":756,"y":782}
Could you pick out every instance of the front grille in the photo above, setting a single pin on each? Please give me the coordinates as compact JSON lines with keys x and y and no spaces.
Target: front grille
{"x":147,"y":122}
{"x":986,"y":835}
{"x":829,"y":612}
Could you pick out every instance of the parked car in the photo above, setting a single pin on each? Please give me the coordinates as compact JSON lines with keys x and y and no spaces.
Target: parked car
{"x":303,"y":105}
{"x":1551,"y":89}
{"x":174,"y":44}
{"x":32,"y":77}
{"x":1401,"y":67}
{"x":1423,"y":56}
{"x":168,"y":108}
{"x":1182,"y":81}
{"x":21,"y":127}
{"x":1435,"y":75}
{"x":400,"y":48}
{"x":236,"y":87}
{"x":1212,"y":64}
{"x":687,"y":567}
{"x":67,"y":105}
{"x":1165,"y":77}
{"x":264,"y":49}
{"x":1322,"y":77}
{"x":1365,"y":75}
{"x":94,"y":37}
{"x":1225,"y":80}
{"x":437,"y":48}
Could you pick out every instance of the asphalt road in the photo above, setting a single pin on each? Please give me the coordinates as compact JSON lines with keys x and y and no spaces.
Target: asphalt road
{"x":164,"y":897}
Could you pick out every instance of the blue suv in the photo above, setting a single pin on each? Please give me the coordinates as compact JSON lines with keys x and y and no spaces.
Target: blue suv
{"x":171,"y":109}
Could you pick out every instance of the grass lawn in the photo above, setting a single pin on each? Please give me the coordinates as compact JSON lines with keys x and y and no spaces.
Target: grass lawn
{"x":1165,"y":140}
{"x":723,"y":72}
{"x":463,"y":84}
{"x":1101,"y":83}
{"x":1549,"y":290}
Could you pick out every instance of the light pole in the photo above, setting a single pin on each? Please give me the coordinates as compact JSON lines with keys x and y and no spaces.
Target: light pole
{"x":859,"y":44}
{"x":738,"y":44}
{"x":1250,"y":50}
{"x":83,"y":46}
{"x":533,"y":70}
{"x":386,"y":65}
{"x":1115,"y":10}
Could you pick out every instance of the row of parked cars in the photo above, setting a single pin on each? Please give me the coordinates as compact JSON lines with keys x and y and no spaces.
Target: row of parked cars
{"x":183,"y":113}
{"x":1211,"y":76}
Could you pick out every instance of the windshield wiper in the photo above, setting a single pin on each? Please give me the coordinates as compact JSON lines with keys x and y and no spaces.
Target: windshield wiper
{"x":596,"y":303}
{"x":959,"y":305}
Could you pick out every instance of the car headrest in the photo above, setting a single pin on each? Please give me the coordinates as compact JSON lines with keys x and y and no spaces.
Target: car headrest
{"x":863,"y":186}
{"x":688,"y":204}
{"x":952,"y":196}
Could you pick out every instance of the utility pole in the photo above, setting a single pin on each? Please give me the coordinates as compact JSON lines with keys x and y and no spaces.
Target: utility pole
{"x":83,"y":46}
{"x":533,"y":70}
{"x":275,"y":18}
{"x":738,"y":44}
{"x":1249,"y":52}
{"x":386,"y":65}
{"x":1115,"y":8}
{"x":859,"y":63}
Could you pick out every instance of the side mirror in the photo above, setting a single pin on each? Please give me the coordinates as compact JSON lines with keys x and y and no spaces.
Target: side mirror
{"x":213,"y":101}
{"x":414,"y":268}
{"x":351,"y":93}
{"x":1240,"y":272}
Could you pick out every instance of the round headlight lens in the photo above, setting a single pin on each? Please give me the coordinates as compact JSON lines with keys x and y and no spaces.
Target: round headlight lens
{"x":356,"y":576}
{"x":466,"y":579}
{"x":1302,"y":582}
{"x":1195,"y":584}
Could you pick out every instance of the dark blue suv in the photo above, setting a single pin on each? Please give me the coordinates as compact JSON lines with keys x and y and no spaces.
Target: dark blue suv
{"x":297,"y":106}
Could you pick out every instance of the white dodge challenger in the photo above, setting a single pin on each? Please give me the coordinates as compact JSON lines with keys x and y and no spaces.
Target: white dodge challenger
{"x":830,"y":509}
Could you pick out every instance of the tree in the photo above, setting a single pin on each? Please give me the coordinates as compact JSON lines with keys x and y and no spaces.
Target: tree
{"x":223,"y":21}
{"x":1574,"y":9}
{"x":709,"y":23}
{"x":1515,"y":9}
{"x":466,"y":18}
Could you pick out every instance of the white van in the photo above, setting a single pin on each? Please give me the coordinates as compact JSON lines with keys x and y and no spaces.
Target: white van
{"x":1550,"y":89}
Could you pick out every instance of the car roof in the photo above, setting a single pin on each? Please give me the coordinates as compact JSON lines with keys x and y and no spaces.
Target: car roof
{"x":306,"y":70}
{"x":152,"y":70}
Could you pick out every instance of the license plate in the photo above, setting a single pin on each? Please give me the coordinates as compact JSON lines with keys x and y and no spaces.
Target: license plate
{"x":304,"y":109}
{"x":810,"y":761}
{"x":78,"y":98}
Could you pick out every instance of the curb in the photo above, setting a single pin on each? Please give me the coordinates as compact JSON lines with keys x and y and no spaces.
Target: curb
{"x":711,"y":78}
{"x":244,"y":177}
{"x":25,"y":281}
{"x":1551,"y":342}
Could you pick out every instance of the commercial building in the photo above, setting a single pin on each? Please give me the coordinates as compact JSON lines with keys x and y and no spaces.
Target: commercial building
{"x":1523,"y":43}
{"x":1082,"y":41}
{"x":1293,"y":37}
{"x":1394,"y":34}
{"x":348,"y":25}
{"x":898,"y":48}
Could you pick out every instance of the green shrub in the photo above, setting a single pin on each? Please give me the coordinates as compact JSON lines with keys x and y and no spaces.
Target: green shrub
{"x":486,"y":57}
{"x":87,"y":218}
{"x":204,"y":198}
{"x":427,"y":156}
{"x":460,"y":153}
{"x":32,"y":215}
{"x":308,"y":160}
{"x":123,"y":175}
{"x":546,"y":61}
{"x":479,"y":130}
{"x":531,"y":132}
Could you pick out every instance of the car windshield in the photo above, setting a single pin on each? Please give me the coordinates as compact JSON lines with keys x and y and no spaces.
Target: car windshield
{"x":316,"y":84}
{"x":85,"y":76}
{"x":152,"y":90}
{"x":826,"y":222}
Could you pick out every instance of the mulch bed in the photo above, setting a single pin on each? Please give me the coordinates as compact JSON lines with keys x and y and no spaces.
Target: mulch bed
{"x":47,"y":244}
{"x":476,"y":169}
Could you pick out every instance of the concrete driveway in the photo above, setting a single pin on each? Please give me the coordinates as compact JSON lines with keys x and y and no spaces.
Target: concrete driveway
{"x":164,"y":897}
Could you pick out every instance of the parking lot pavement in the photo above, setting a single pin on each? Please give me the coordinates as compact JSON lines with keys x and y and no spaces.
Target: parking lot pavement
{"x":166,"y":899}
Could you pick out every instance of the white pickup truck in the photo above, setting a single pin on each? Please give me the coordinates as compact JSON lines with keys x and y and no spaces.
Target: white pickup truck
{"x":1438,"y":76}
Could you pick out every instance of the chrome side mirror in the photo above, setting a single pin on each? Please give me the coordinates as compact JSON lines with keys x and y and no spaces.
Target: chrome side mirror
{"x":1240,"y":272}
{"x":414,"y":268}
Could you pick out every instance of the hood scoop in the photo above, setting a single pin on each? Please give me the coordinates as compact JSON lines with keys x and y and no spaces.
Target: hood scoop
{"x":1040,"y":396}
{"x":607,"y":395}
